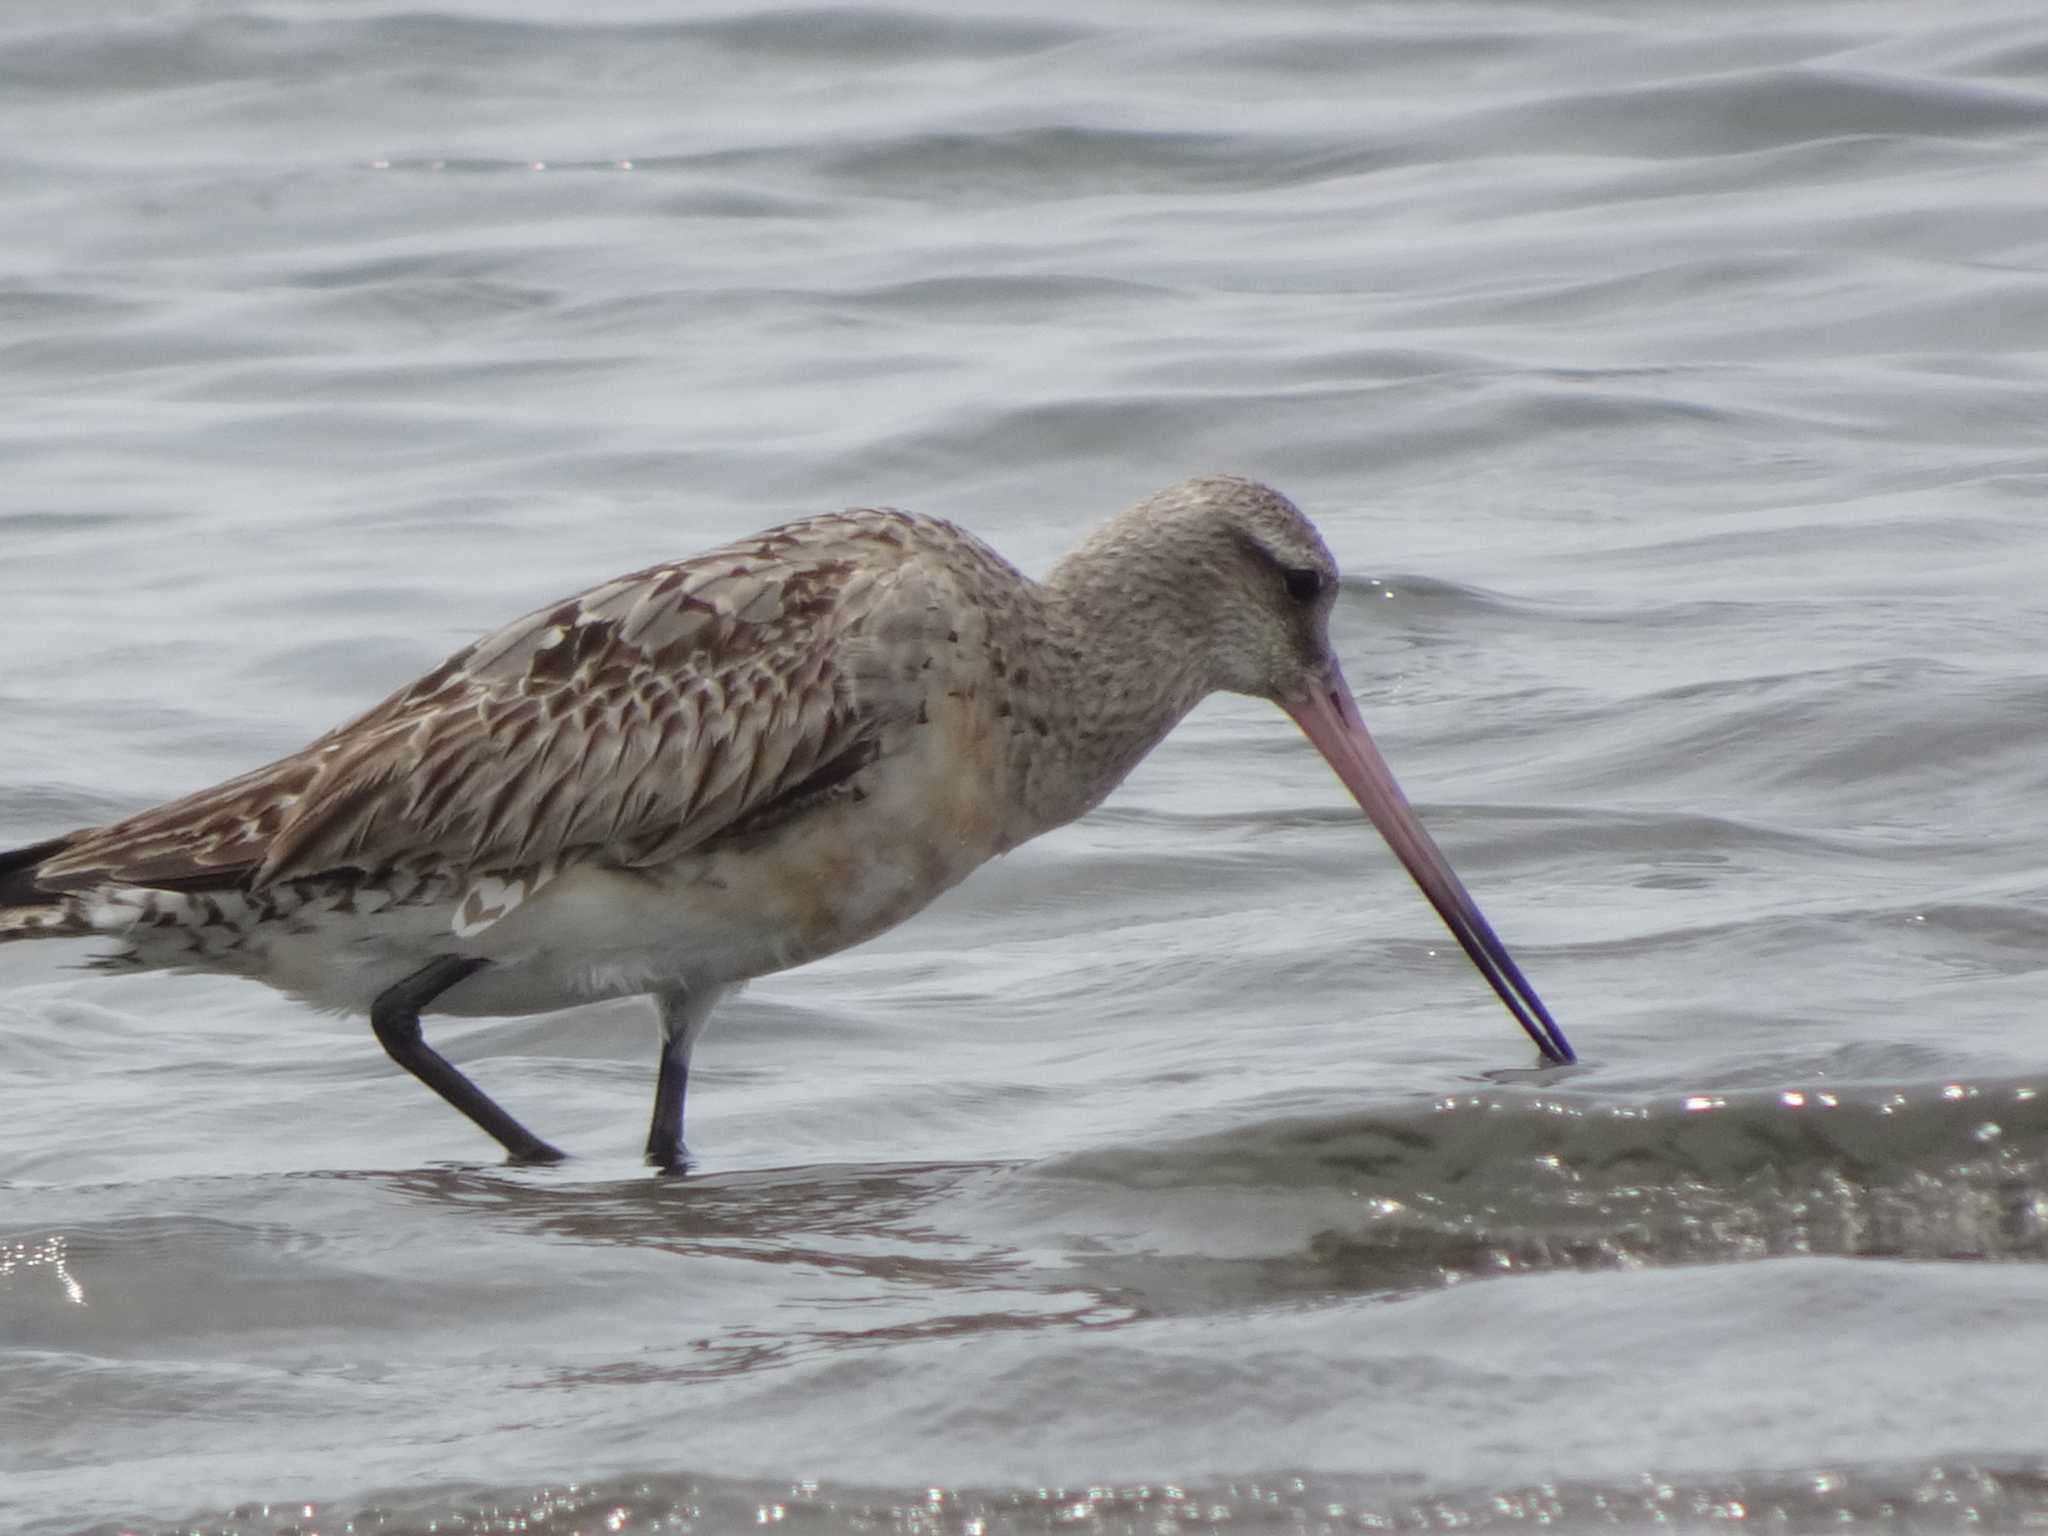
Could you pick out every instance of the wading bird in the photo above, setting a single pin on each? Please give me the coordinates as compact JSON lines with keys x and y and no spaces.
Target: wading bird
{"x":723,"y":766}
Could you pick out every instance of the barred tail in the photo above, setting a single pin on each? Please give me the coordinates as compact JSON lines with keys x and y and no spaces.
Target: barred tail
{"x":27,"y":911}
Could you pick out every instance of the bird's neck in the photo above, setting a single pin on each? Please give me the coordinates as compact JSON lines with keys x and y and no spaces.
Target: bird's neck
{"x":1121,"y":666}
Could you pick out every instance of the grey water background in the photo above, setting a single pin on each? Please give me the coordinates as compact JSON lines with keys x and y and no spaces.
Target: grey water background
{"x":1670,"y":380}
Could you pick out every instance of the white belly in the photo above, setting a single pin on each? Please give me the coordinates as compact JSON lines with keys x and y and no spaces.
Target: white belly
{"x":842,"y":874}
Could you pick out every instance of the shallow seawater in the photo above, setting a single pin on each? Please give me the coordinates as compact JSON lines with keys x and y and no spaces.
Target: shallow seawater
{"x":1670,"y":381}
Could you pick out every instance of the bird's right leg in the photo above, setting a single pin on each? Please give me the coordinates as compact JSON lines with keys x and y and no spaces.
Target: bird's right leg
{"x":395,"y":1016}
{"x":684,"y":1013}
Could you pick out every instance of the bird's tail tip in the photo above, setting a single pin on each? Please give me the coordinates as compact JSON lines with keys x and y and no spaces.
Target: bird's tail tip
{"x":27,"y":911}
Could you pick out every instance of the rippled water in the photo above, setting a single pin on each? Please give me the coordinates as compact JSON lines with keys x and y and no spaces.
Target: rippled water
{"x":1671,"y":381}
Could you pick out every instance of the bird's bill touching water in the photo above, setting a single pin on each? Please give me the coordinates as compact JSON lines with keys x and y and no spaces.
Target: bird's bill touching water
{"x":1329,"y":717}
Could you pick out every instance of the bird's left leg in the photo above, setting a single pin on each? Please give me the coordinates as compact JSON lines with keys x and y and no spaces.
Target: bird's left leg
{"x":684,"y":1013}
{"x":395,"y":1017}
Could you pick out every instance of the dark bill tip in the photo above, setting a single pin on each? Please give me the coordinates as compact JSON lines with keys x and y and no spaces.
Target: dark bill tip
{"x":1329,"y":718}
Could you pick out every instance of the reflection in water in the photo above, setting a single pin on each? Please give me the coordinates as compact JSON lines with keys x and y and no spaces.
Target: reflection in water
{"x":1487,"y":1183}
{"x":1474,"y":1184}
{"x":877,"y":1224}
{"x":867,"y":1221}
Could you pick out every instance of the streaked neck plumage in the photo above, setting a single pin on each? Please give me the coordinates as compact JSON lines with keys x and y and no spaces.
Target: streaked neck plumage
{"x":1123,"y":662}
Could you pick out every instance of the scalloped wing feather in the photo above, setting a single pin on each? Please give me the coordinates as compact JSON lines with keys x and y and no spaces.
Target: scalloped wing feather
{"x":626,"y":725}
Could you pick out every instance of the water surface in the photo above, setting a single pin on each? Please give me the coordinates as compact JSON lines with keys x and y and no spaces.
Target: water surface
{"x":1670,"y":381}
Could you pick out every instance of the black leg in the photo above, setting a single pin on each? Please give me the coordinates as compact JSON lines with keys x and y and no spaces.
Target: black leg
{"x":395,"y":1016}
{"x":684,"y":1011}
{"x":665,"y":1149}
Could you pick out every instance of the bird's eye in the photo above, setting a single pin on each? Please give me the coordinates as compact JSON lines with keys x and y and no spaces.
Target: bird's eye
{"x":1304,"y":584}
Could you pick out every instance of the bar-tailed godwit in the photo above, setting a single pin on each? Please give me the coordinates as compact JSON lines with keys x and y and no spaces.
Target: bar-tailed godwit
{"x":724,"y":766}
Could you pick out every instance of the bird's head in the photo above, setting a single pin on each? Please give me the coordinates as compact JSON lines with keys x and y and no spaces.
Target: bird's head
{"x":1252,"y":580}
{"x":1240,"y":575}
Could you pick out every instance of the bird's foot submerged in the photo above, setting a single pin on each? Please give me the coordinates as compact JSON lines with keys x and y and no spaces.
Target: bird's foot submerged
{"x":670,"y":1162}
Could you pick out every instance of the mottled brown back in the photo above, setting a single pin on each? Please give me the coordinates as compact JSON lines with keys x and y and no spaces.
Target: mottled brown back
{"x":628,"y":725}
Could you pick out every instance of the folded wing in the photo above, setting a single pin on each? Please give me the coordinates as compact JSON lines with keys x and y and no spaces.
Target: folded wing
{"x":626,"y":725}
